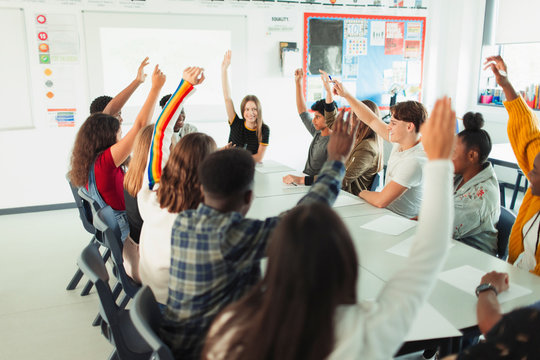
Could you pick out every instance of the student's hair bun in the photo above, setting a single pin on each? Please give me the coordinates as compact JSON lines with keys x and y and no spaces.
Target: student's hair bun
{"x":473,"y":121}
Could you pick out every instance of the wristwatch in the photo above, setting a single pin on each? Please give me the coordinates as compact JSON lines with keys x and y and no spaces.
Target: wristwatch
{"x":484,"y":287}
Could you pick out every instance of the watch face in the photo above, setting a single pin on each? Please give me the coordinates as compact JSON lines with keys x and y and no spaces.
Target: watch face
{"x":484,"y":287}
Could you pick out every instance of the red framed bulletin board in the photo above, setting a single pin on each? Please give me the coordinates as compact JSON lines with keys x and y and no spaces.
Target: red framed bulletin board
{"x":371,"y":54}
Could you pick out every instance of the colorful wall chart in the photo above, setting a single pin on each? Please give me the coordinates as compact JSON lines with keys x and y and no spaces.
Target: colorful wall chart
{"x":372,"y":55}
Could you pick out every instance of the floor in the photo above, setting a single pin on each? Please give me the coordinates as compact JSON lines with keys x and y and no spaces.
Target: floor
{"x":39,"y":318}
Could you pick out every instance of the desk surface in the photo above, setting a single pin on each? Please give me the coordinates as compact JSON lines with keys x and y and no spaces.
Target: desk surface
{"x":503,"y":155}
{"x":378,"y":265}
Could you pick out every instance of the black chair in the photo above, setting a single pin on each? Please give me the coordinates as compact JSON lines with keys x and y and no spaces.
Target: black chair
{"x":106,"y":223}
{"x":146,"y":318}
{"x":116,"y":326}
{"x":504,"y":227}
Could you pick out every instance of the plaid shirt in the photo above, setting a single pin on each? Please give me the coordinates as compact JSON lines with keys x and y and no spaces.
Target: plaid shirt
{"x":215,"y":260}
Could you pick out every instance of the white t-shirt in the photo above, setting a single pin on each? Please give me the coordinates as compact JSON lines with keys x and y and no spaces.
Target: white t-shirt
{"x":526,"y":260}
{"x":406,"y":169}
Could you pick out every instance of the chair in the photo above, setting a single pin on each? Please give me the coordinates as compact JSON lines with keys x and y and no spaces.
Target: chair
{"x":106,"y":223}
{"x":504,"y":227}
{"x":116,"y":326}
{"x":146,"y":318}
{"x":376,"y":182}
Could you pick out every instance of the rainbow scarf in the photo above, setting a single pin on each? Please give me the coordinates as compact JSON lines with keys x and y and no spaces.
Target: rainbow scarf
{"x":166,"y":116}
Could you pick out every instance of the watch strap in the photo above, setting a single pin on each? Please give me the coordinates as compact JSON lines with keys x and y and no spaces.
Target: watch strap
{"x":485,"y":287}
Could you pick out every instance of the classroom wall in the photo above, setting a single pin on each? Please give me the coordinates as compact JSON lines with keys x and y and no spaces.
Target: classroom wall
{"x":37,"y":159}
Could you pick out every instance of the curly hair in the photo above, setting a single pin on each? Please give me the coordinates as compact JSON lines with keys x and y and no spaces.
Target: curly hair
{"x":179,"y":187}
{"x":97,"y":134}
{"x":99,"y":104}
{"x":134,"y":177}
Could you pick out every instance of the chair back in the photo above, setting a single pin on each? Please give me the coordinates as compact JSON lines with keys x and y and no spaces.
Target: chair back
{"x":106,"y":223}
{"x":504,"y":227}
{"x":376,"y":182}
{"x":146,"y":318}
{"x":91,"y":208}
{"x":84,"y":213}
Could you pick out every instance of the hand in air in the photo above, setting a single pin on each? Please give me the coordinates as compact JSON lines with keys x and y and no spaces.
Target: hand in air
{"x":226,"y":60}
{"x":158,"y":78}
{"x":298,"y":75}
{"x":141,"y":76}
{"x":497,"y":65}
{"x":342,"y":138}
{"x":438,"y":131}
{"x":194,"y":75}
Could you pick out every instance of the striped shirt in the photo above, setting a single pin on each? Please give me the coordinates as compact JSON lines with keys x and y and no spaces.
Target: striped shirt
{"x":246,"y":138}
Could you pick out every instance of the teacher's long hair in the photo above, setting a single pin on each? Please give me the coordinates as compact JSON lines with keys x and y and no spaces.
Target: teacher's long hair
{"x":312,"y":268}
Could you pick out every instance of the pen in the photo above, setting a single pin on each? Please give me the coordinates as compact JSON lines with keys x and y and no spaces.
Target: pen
{"x":295,"y":184}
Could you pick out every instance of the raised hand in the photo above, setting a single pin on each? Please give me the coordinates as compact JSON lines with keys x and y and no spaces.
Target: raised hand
{"x":298,"y":75}
{"x":326,"y":81}
{"x":194,"y":75}
{"x":497,"y":65}
{"x":339,"y":89}
{"x":141,"y":76}
{"x":342,"y":138}
{"x":497,"y":279}
{"x":226,"y":60}
{"x":438,"y":130}
{"x":158,"y":78}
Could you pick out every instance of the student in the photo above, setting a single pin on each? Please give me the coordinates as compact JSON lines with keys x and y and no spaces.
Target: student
{"x":511,"y":336}
{"x":404,"y":177}
{"x":324,"y":111}
{"x":132,"y":184}
{"x":180,"y":128}
{"x":524,"y":135}
{"x":306,"y":306}
{"x":113,"y":106}
{"x":99,"y":152}
{"x":171,"y":185}
{"x":216,"y":252}
{"x":250,"y":132}
{"x":476,"y":190}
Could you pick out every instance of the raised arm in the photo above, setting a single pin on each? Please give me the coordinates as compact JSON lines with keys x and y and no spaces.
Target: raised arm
{"x":404,"y":294}
{"x":362,"y":111}
{"x":497,"y":65}
{"x":121,"y":150}
{"x":161,"y":138}
{"x":330,"y":111}
{"x":300,"y":101}
{"x":229,"y":106}
{"x":115,"y":106}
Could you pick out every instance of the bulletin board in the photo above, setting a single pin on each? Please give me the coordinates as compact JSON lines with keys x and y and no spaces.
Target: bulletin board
{"x":374,"y":56}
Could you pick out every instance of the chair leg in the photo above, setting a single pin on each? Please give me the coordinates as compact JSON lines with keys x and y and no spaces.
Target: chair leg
{"x":114,"y":355}
{"x":124,"y":301}
{"x":516,"y":190}
{"x":117,"y":290}
{"x":97,"y":321}
{"x":503,"y":195}
{"x":75,"y":280}
{"x":87,"y":288}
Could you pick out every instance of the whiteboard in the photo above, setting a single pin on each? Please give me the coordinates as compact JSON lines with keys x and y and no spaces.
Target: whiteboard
{"x":15,"y":100}
{"x":116,"y":44}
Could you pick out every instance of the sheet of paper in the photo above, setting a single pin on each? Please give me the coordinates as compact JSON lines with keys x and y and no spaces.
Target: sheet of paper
{"x":403,"y":248}
{"x":346,"y":199}
{"x":430,"y":324}
{"x":270,"y":166}
{"x":390,"y":224}
{"x":377,"y":33}
{"x":467,"y":278}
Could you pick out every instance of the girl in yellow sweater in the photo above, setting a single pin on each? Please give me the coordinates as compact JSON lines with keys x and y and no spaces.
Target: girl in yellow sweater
{"x":524,"y":135}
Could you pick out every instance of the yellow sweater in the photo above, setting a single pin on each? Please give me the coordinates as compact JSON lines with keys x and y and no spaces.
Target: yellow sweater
{"x":524,"y":135}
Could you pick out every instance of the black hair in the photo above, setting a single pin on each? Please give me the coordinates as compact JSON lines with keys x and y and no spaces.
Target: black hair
{"x":227,"y":172}
{"x":410,"y":111}
{"x":319,"y":106}
{"x":474,"y":137}
{"x":99,"y":104}
{"x":164,"y":100}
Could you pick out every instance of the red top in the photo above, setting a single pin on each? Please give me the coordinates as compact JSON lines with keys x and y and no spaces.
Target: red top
{"x":110,"y":180}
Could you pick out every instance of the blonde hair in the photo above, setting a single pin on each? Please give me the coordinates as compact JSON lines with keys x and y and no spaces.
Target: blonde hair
{"x":135,"y":174}
{"x":259,"y":112}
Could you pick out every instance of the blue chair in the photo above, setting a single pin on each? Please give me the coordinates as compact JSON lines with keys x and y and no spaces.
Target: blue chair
{"x":504,"y":227}
{"x":116,"y":326}
{"x":146,"y":318}
{"x":376,"y":182}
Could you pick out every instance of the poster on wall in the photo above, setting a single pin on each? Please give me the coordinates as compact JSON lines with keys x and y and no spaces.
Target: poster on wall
{"x":377,"y":33}
{"x":393,"y":44}
{"x":412,"y":49}
{"x":414,"y":30}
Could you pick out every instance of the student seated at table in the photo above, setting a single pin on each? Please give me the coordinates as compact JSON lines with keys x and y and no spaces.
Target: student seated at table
{"x":216,"y":251}
{"x":515,"y":335}
{"x":524,"y":135}
{"x":251,"y":132}
{"x":476,"y":190}
{"x":324,"y":111}
{"x":306,"y":305}
{"x":133,"y":181}
{"x":171,"y":185}
{"x":113,"y":106}
{"x":180,"y":128}
{"x":404,"y":176}
{"x":99,"y":152}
